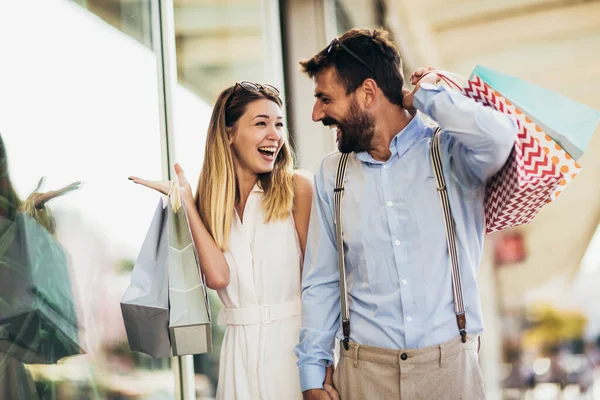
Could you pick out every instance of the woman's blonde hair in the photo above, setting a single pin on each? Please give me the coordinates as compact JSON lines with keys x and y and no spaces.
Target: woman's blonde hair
{"x":217,"y":187}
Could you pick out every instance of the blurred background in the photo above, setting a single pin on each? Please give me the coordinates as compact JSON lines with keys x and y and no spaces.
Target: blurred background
{"x":97,"y":90}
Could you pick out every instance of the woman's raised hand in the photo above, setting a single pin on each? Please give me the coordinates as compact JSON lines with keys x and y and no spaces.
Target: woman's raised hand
{"x":164,"y":186}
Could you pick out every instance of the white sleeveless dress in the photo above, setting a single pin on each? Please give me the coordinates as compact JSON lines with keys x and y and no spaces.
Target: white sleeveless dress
{"x":261,"y":308}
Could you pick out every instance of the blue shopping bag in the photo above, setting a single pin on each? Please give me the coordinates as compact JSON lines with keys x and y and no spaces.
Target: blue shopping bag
{"x":567,"y":122}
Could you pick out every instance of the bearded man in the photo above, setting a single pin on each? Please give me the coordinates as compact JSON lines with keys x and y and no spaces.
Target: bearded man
{"x":407,"y":340}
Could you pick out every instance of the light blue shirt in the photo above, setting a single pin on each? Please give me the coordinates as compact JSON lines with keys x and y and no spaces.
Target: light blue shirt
{"x":397,"y":263}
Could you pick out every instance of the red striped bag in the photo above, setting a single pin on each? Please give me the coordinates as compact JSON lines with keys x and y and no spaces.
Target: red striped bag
{"x":535,"y":172}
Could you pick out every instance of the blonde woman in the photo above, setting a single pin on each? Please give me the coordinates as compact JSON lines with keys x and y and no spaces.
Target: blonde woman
{"x":17,"y":382}
{"x":249,"y":221}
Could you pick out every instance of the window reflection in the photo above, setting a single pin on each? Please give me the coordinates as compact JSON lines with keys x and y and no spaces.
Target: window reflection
{"x":79,"y":102}
{"x":37,"y":310}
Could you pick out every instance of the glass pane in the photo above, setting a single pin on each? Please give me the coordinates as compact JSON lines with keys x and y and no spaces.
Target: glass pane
{"x":218,"y":43}
{"x":358,"y":13}
{"x":129,"y":16}
{"x":79,"y":102}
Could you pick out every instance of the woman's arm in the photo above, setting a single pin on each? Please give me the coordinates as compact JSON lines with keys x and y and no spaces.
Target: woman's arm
{"x":212,"y":260}
{"x":303,"y":193}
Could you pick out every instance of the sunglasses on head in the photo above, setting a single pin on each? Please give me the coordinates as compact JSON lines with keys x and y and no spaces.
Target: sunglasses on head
{"x":336,"y":41}
{"x":257,"y":87}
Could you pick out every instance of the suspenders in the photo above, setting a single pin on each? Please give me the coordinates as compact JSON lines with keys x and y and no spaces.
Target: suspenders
{"x":338,"y":194}
{"x":451,"y":239}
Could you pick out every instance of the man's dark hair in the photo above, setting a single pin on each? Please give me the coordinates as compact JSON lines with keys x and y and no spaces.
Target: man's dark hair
{"x":375,"y":49}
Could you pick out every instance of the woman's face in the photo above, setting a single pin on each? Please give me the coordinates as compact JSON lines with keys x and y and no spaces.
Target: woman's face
{"x":258,"y":136}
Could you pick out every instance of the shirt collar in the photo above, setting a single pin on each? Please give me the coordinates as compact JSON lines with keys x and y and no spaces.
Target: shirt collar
{"x":401,"y":142}
{"x":257,"y":188}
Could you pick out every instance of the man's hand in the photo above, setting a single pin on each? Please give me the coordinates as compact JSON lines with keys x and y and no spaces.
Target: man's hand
{"x":328,"y":384}
{"x":327,"y":393}
{"x":417,"y":78}
{"x":316,"y":394}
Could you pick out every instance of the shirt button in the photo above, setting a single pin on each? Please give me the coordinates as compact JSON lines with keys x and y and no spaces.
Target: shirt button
{"x":389,"y":204}
{"x":404,"y":356}
{"x":385,"y":167}
{"x":409,"y":319}
{"x":397,"y":243}
{"x":404,"y":281}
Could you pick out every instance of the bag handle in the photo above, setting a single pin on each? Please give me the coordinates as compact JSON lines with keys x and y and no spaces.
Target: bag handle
{"x":452,"y":80}
{"x":451,"y":239}
{"x":174,"y":195}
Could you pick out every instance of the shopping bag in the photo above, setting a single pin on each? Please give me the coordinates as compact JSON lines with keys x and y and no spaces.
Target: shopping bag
{"x":189,"y":319}
{"x":38,"y":321}
{"x":569,"y":123}
{"x":145,"y":304}
{"x":166,"y":309}
{"x":565,"y":163}
{"x":537,"y":170}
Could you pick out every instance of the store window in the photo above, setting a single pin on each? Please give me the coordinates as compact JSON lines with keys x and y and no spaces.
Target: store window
{"x":79,"y":103}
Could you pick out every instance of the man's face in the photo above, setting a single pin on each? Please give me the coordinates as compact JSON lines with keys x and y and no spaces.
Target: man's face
{"x":355,"y":127}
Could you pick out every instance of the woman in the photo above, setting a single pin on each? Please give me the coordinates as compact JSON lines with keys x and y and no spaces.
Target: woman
{"x":16,"y":381}
{"x":249,"y":222}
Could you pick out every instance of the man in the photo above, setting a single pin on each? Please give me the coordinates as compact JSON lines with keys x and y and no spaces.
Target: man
{"x":404,"y":341}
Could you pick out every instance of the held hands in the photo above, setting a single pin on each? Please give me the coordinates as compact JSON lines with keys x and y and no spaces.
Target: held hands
{"x":417,"y":78}
{"x":327,"y":393}
{"x":328,"y":384}
{"x":163,"y":186}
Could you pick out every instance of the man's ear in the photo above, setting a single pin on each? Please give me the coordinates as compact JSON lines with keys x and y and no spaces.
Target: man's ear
{"x":369,"y":92}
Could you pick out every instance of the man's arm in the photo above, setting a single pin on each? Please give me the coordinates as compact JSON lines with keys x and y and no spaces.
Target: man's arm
{"x":320,"y":292}
{"x":480,"y":138}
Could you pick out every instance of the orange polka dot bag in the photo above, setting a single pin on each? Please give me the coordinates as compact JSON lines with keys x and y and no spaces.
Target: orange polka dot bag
{"x":539,"y":168}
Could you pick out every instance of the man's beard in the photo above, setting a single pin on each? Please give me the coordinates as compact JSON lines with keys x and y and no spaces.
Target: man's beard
{"x":357,"y":130}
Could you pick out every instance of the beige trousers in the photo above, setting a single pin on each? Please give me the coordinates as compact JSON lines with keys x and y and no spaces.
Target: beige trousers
{"x":449,"y":371}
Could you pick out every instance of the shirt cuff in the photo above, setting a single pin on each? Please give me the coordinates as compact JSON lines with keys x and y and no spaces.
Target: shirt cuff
{"x":312,"y":377}
{"x":424,"y":96}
